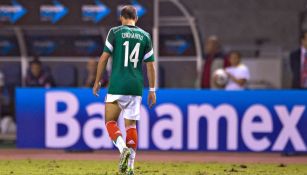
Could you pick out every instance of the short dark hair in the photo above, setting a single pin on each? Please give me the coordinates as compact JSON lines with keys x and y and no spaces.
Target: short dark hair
{"x":303,"y":34}
{"x":36,"y":61}
{"x":236,"y":53}
{"x":129,"y":12}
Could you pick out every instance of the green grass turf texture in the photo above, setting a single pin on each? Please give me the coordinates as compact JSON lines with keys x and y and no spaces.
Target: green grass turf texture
{"x":85,"y":167}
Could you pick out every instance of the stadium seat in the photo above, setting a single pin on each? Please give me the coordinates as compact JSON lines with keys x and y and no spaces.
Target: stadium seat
{"x":64,"y":75}
{"x":12,"y":73}
{"x":12,"y":78}
{"x":161,"y":77}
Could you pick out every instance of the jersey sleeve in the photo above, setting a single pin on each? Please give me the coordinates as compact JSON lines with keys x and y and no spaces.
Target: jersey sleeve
{"x":109,"y":44}
{"x":244,"y":73}
{"x":149,"y":54}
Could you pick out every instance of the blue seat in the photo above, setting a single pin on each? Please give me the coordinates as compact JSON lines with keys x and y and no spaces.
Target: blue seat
{"x":64,"y":75}
{"x":12,"y":74}
{"x":12,"y":78}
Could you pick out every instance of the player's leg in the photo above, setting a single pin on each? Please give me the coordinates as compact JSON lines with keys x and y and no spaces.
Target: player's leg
{"x":131,"y":141}
{"x":132,"y":115}
{"x":112,"y":113}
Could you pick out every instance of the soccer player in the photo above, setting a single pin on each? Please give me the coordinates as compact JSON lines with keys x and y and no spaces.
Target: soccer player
{"x":129,"y":46}
{"x":238,"y":73}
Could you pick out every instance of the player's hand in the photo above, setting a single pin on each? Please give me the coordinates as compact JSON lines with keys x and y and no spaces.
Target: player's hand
{"x":151,"y":101}
{"x":96,"y":89}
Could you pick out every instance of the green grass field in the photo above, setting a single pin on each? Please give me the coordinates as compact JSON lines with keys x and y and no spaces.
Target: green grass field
{"x":74,"y":167}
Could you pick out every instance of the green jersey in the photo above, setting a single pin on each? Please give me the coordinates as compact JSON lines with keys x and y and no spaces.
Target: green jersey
{"x":129,"y":47}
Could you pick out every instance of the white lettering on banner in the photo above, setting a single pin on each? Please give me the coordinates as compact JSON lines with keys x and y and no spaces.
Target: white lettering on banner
{"x":92,"y":8}
{"x":289,"y":131}
{"x":196,"y":112}
{"x":96,"y":123}
{"x":174,"y":124}
{"x":54,"y":117}
{"x":143,"y":129}
{"x":250,"y":127}
{"x":10,"y":9}
{"x":51,"y":8}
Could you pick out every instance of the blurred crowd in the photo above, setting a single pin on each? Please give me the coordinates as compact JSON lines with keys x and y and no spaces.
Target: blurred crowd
{"x":239,"y":74}
{"x":39,"y":75}
{"x":214,"y":59}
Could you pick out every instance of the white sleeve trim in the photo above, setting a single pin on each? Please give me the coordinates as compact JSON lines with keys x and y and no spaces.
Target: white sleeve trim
{"x":108,"y":44}
{"x":148,"y":55}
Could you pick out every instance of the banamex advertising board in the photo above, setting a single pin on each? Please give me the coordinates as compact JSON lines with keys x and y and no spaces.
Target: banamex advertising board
{"x":186,"y":120}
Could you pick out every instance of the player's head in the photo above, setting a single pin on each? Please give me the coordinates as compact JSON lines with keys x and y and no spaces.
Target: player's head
{"x":303,"y":39}
{"x":36,"y":67}
{"x":128,"y":14}
{"x":235,"y":58}
{"x":212,"y":45}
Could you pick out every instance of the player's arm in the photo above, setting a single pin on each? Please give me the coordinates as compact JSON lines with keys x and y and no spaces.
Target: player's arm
{"x":101,"y":67}
{"x":239,"y":81}
{"x":151,"y":74}
{"x":242,"y":80}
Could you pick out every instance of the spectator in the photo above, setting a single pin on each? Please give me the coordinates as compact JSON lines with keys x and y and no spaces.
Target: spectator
{"x":238,"y":73}
{"x":212,"y":52}
{"x":298,"y":62}
{"x":37,"y":77}
{"x":91,"y":69}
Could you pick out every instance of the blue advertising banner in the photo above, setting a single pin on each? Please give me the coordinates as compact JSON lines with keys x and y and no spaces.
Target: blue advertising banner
{"x":72,"y":13}
{"x":185,"y":120}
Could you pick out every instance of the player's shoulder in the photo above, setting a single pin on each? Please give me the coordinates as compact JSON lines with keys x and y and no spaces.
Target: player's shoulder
{"x":116,"y":29}
{"x":228,"y":68}
{"x":143,"y":31}
{"x":243,"y":67}
{"x":121,"y":27}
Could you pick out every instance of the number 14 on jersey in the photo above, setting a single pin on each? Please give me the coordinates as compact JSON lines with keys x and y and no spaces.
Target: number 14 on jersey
{"x":134,"y":55}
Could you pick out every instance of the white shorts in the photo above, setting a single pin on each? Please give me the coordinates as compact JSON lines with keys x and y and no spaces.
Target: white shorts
{"x":130,"y":105}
